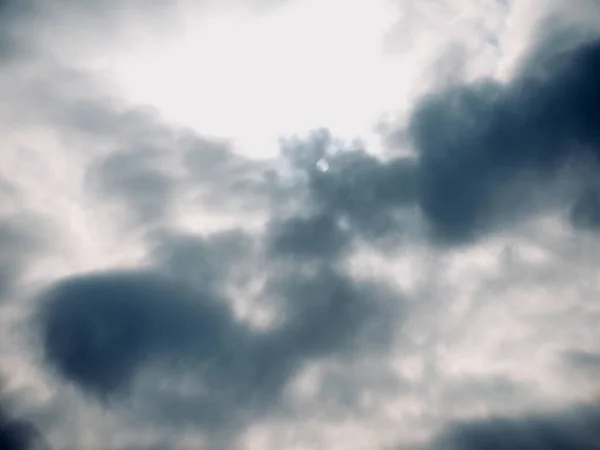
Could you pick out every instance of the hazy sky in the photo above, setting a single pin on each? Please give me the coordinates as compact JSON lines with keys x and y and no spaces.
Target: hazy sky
{"x":299,"y":224}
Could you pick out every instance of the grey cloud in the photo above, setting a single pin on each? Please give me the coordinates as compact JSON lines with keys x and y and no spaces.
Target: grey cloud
{"x":21,"y":239}
{"x":152,"y":166}
{"x":108,"y":332}
{"x":205,"y":262}
{"x":474,"y":140}
{"x":309,"y":237}
{"x":586,"y":361}
{"x":575,"y":429}
{"x":98,"y":330}
{"x":226,"y":178}
{"x":93,"y":20}
{"x":136,"y":178}
{"x":365,"y":191}
{"x":487,"y":153}
{"x":329,"y":312}
{"x":111,"y":334}
{"x":468,"y":391}
{"x":17,"y":433}
{"x":358,"y":196}
{"x":585,"y":212}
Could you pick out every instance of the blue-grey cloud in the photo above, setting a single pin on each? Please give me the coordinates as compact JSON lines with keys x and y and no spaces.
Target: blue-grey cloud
{"x":21,"y":240}
{"x":112,"y":334}
{"x":575,"y":429}
{"x":18,"y":433}
{"x":103,"y":332}
{"x":485,"y":151}
{"x":98,"y":330}
{"x":475,"y":140}
{"x":136,"y":180}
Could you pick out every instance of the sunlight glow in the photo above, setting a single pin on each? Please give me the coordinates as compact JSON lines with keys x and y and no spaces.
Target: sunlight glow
{"x":253,"y":79}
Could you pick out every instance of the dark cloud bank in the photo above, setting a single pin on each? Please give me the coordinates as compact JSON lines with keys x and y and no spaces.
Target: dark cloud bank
{"x":478,"y":147}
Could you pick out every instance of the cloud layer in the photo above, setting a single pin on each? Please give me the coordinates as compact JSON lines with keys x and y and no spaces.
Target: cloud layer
{"x":182,"y":294}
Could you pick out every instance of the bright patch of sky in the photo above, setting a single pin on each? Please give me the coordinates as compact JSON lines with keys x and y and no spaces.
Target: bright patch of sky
{"x":254,"y":79}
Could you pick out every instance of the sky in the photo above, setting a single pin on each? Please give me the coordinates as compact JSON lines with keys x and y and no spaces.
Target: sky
{"x":299,"y":224}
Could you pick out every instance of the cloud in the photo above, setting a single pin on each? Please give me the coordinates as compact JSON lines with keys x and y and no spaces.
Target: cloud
{"x":308,"y":237}
{"x":476,"y":140}
{"x":575,"y":429}
{"x":138,"y":179}
{"x":28,"y":26}
{"x":105,"y":332}
{"x":18,"y":434}
{"x":585,"y":212}
{"x":98,"y":330}
{"x":172,"y":345}
{"x":485,"y":153}
{"x":21,"y":240}
{"x":366,"y":191}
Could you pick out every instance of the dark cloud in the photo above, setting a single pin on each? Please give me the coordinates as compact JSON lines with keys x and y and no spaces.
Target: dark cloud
{"x":161,"y":165}
{"x":577,"y":429}
{"x":309,"y":237}
{"x":356,"y":185}
{"x":327,"y":311}
{"x":206,"y":262}
{"x":226,"y":179}
{"x":98,"y":330}
{"x":475,"y":140}
{"x":365,"y":191}
{"x":486,"y":152}
{"x":106,"y":332}
{"x":358,"y":195}
{"x":18,"y":434}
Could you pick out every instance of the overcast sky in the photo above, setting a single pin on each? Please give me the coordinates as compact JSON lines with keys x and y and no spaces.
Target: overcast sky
{"x":299,"y":224}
